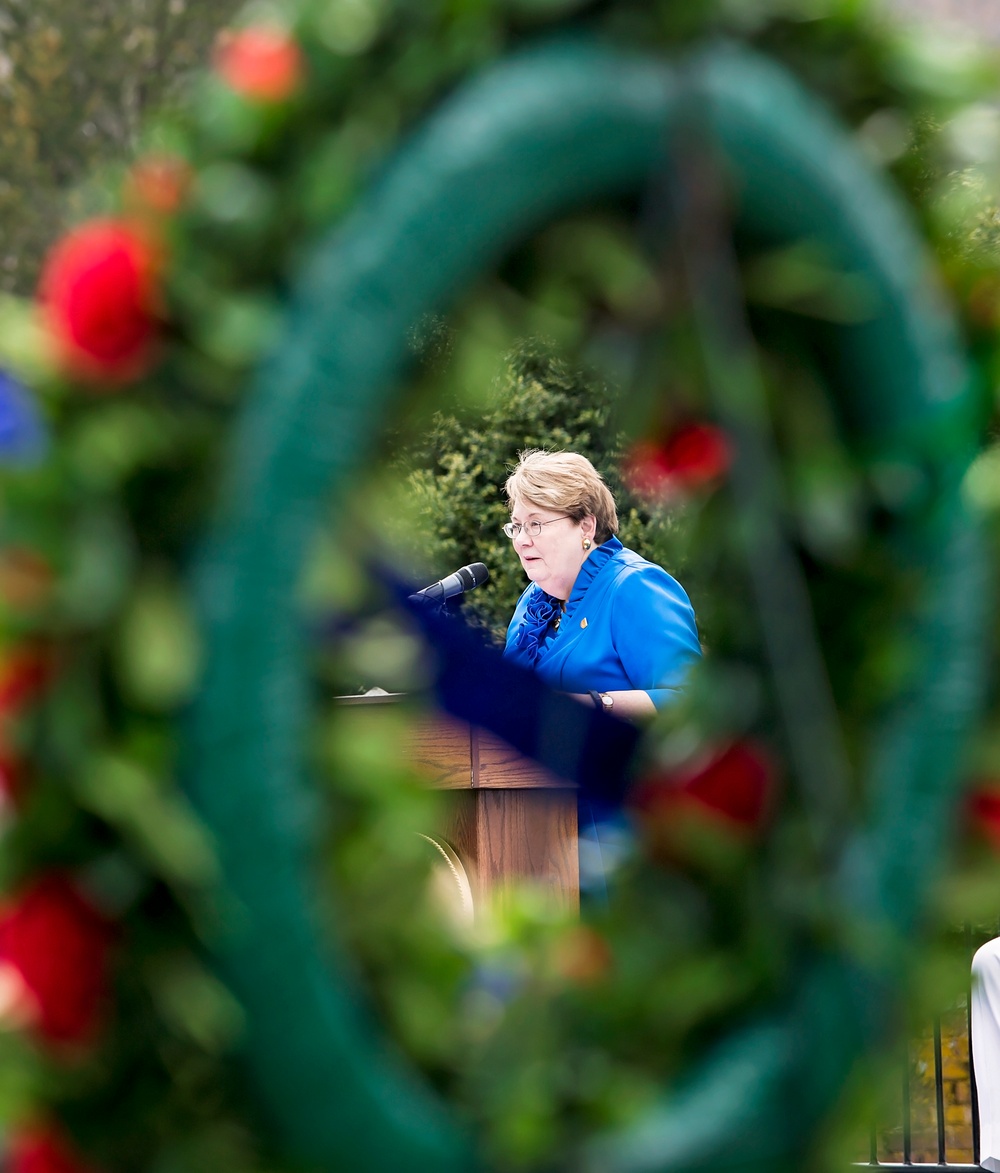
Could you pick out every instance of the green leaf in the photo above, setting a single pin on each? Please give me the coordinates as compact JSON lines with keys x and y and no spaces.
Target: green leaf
{"x":158,"y":653}
{"x":159,"y":823}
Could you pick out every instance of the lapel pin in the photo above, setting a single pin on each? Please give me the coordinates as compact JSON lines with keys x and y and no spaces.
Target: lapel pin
{"x":583,"y":622}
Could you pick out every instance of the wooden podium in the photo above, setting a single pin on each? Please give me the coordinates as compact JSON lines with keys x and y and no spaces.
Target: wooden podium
{"x":511,"y":821}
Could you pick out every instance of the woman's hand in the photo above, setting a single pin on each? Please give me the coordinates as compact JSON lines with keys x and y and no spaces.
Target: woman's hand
{"x":632,"y":704}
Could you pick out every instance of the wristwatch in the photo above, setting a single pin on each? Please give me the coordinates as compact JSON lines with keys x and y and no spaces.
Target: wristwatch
{"x":602,"y":700}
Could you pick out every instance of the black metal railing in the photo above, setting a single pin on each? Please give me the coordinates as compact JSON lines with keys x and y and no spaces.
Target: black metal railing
{"x":936,"y":1145}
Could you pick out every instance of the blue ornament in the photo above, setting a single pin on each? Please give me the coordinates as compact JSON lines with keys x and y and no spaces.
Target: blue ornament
{"x":23,"y":438}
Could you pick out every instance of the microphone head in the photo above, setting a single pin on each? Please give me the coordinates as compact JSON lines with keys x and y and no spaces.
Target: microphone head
{"x":477,"y":574}
{"x":464,"y":579}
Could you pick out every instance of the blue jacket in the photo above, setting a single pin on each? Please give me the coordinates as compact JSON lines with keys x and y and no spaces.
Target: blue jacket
{"x":627,"y":625}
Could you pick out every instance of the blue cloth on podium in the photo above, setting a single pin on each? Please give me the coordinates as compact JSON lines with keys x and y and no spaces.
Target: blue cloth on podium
{"x":474,"y":682}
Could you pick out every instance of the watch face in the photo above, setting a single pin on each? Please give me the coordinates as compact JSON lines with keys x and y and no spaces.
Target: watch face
{"x":607,"y":701}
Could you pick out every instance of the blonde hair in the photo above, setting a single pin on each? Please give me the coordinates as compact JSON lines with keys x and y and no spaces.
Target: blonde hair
{"x":565,"y":482}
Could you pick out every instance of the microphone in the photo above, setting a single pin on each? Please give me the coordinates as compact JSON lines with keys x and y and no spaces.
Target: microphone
{"x":473,"y":575}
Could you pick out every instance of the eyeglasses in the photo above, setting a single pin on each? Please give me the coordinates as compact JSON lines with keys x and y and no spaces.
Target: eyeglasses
{"x":532,"y":528}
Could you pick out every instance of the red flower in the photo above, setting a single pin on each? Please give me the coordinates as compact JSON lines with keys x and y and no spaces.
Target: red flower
{"x":98,"y":296}
{"x":732,"y":789}
{"x":158,"y":183}
{"x":691,"y":458}
{"x":983,"y":809}
{"x":24,"y":673}
{"x":57,"y":946}
{"x":11,"y":781}
{"x":42,"y":1150}
{"x":263,"y":62}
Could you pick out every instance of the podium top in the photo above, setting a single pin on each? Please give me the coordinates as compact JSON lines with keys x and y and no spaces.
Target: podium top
{"x":457,"y":756}
{"x":454,"y":755}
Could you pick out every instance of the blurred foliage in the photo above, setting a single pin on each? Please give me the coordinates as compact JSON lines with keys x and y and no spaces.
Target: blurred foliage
{"x":527,"y":1024}
{"x":539,"y":1027}
{"x":78,"y":83}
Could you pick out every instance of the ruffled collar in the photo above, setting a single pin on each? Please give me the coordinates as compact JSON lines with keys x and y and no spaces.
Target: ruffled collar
{"x":541,"y":608}
{"x":595,"y":563}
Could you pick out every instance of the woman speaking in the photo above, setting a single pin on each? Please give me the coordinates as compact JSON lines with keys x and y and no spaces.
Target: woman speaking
{"x":596,"y":620}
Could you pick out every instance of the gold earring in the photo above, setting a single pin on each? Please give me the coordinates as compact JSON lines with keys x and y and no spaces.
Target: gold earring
{"x":586,"y":543}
